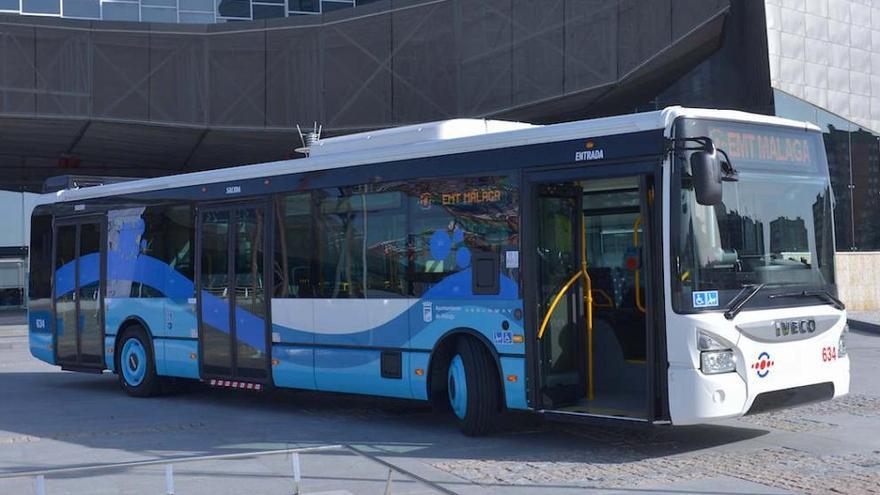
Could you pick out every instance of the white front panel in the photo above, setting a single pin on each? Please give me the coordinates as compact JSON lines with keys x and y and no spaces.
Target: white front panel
{"x":762,"y":366}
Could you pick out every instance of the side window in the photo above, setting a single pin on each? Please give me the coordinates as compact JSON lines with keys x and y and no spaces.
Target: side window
{"x":362,"y":242}
{"x":167,"y":243}
{"x":451,"y":219}
{"x":294,"y":246}
{"x":40,"y":250}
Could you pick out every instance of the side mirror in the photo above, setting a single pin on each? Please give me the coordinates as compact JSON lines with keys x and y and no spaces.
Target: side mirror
{"x":706,"y":171}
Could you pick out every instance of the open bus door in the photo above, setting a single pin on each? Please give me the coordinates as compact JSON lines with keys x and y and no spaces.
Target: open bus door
{"x":592,"y":235}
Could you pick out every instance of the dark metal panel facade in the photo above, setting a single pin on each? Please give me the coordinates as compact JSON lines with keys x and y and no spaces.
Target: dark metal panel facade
{"x":178,"y":79}
{"x":425,"y":61}
{"x":121,"y":69}
{"x":112,"y":97}
{"x":294,"y":77}
{"x":590,"y":24}
{"x":237,"y":79}
{"x":17,"y":70}
{"x":63,"y":71}
{"x":538,"y":50}
{"x":357,"y":72}
{"x":485,"y":48}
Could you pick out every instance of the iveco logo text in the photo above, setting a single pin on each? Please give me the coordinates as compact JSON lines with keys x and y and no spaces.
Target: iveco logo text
{"x":794,"y":327}
{"x":583,"y":156}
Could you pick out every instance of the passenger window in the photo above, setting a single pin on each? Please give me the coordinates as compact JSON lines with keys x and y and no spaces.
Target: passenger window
{"x":451,"y":219}
{"x":362,"y":250}
{"x":294,"y":246}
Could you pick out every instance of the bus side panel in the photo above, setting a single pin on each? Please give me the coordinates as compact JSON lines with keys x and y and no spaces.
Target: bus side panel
{"x":40,"y":338}
{"x":149,"y":279}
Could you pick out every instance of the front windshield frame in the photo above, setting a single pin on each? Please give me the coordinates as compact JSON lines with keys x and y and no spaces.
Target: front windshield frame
{"x":682,"y":302}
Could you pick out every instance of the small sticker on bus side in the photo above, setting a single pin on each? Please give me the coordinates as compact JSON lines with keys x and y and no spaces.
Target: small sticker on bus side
{"x":706,"y":299}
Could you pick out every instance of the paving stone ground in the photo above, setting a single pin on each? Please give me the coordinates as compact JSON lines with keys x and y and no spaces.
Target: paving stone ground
{"x":50,"y":418}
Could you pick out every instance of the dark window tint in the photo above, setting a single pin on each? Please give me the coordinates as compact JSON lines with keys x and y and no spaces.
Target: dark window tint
{"x":268,"y":11}
{"x":866,"y":189}
{"x":168,"y":237}
{"x":40,"y":250}
{"x":329,"y":6}
{"x":305,"y":5}
{"x":294,"y":246}
{"x":234,"y":8}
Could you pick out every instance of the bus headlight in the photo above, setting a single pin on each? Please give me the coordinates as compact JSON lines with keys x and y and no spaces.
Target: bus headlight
{"x":715,"y":357}
{"x":714,"y":362}
{"x":841,"y":344}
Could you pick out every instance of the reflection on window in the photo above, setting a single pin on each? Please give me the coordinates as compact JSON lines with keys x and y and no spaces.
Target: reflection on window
{"x":451,"y":219}
{"x":854,"y":164}
{"x":389,"y":240}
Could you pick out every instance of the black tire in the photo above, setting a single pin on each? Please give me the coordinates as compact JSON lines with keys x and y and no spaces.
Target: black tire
{"x":483,"y":393}
{"x":149,"y":383}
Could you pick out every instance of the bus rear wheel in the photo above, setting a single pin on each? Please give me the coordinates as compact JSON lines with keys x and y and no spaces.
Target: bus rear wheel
{"x":472,"y":386}
{"x":135,"y":365}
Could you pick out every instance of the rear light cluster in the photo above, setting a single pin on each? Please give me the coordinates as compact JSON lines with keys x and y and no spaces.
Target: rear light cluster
{"x":715,"y":357}
{"x":841,"y":344}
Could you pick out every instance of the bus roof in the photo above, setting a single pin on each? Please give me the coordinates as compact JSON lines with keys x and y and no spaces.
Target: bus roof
{"x":419,"y":141}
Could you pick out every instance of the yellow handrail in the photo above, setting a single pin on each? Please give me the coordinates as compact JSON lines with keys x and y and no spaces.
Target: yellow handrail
{"x":636,"y":244}
{"x":588,"y":299}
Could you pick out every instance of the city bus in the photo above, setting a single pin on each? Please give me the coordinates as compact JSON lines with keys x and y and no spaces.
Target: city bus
{"x":669,"y":267}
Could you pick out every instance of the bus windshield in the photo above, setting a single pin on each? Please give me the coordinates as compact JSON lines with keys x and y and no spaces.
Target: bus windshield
{"x":772,"y":227}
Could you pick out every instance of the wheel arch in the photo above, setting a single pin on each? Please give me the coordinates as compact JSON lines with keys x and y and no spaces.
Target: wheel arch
{"x":128,"y":322}
{"x":444,"y":347}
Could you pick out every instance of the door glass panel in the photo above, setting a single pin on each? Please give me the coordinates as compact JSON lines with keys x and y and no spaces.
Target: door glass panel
{"x":593,"y":353}
{"x":558,"y":262}
{"x":215,"y":294}
{"x":65,"y":293}
{"x":250,"y":302}
{"x":89,"y":283}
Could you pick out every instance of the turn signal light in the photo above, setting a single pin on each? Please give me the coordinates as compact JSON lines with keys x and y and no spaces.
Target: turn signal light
{"x":420,"y":372}
{"x":512,"y":378}
{"x":518,"y":339}
{"x":192,"y":356}
{"x":275,"y":362}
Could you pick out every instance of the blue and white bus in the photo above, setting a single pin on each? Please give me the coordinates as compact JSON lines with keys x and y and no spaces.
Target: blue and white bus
{"x":665,"y":267}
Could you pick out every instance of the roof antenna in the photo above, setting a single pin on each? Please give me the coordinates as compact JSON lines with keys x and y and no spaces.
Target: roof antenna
{"x":308,"y":138}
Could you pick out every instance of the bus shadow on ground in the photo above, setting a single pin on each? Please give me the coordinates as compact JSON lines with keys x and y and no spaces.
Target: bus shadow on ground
{"x":91,"y":411}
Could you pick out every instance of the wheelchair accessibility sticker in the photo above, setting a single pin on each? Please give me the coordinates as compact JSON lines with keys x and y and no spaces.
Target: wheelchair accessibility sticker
{"x":706,"y":299}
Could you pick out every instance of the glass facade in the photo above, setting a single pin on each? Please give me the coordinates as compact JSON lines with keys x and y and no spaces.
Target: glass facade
{"x":854,"y":162}
{"x":175,"y":11}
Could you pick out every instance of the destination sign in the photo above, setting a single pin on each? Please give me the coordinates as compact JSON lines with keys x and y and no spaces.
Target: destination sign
{"x":765,"y":146}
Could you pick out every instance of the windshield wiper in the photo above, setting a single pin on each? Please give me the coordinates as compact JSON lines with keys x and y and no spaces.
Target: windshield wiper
{"x":821,"y":294}
{"x":745,"y":295}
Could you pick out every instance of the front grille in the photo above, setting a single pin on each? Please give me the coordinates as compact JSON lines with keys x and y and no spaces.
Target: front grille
{"x":791,"y":397}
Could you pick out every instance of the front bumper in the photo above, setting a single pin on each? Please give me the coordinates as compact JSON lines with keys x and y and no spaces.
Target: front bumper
{"x":699,"y":398}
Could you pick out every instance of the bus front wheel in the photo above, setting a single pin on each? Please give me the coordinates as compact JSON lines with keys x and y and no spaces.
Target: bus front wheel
{"x":135,"y":365}
{"x":472,"y":385}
